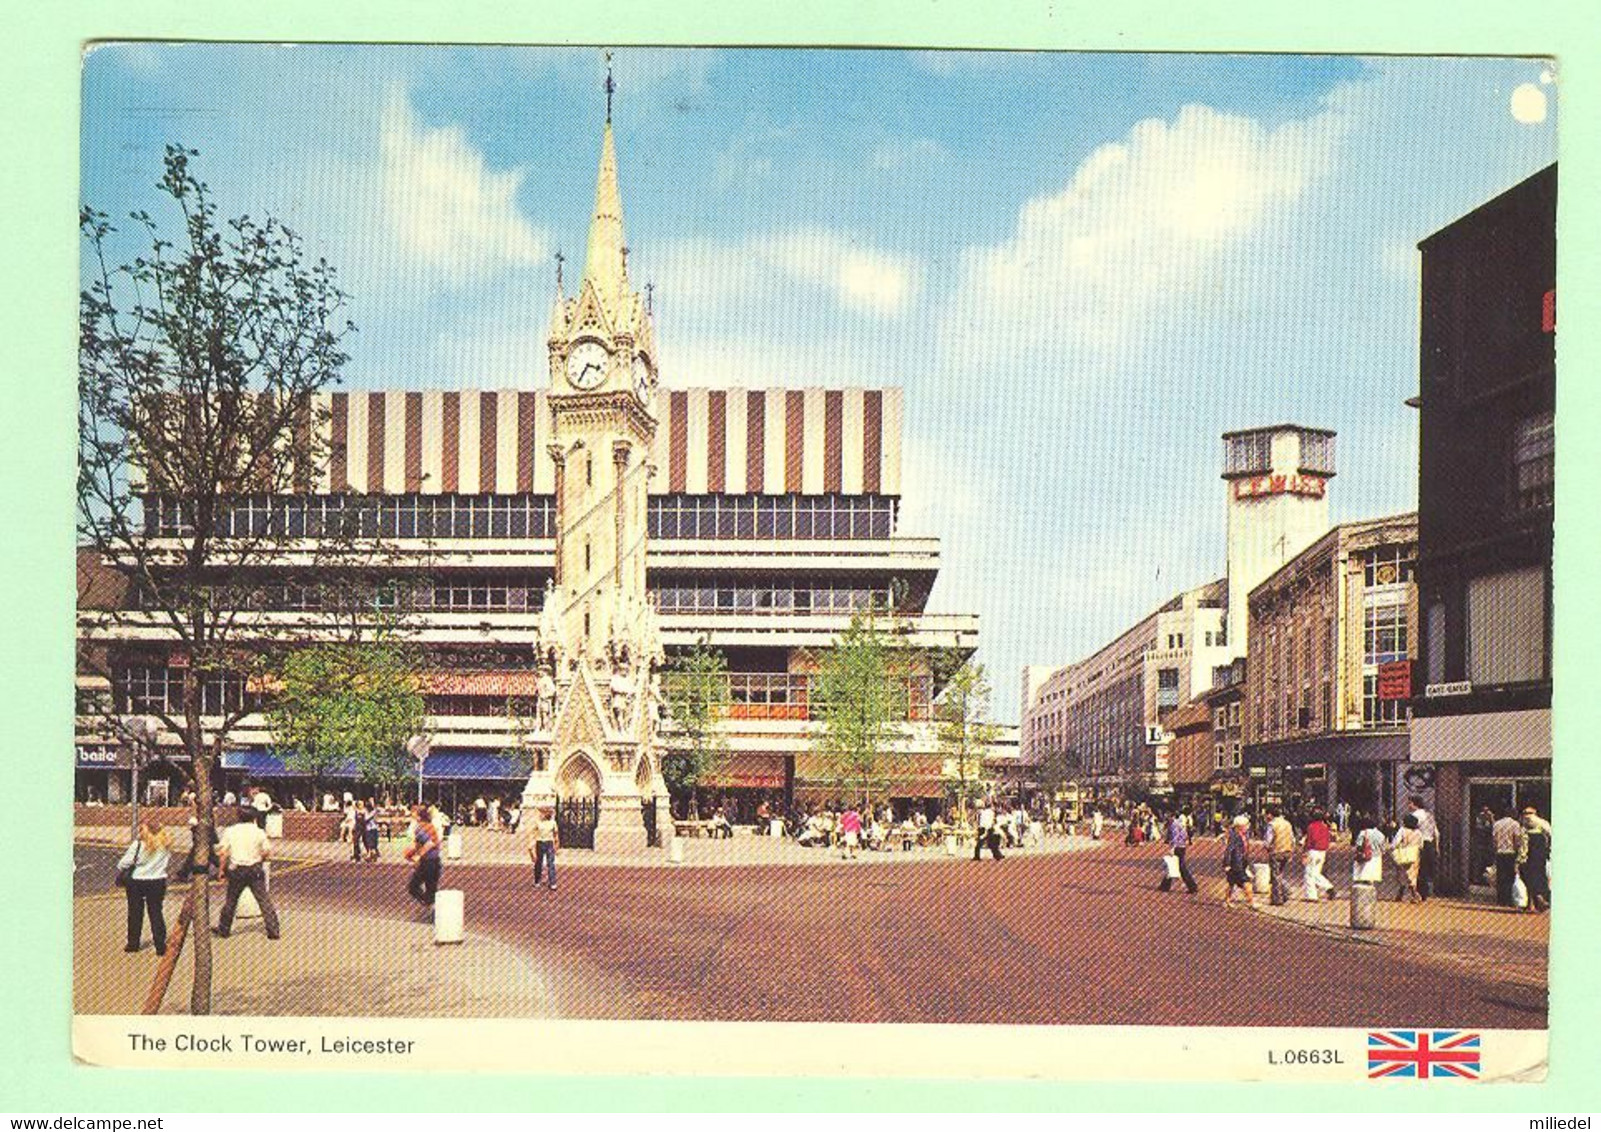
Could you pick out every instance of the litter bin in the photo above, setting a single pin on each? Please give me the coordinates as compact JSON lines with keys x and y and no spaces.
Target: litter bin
{"x":275,"y":825}
{"x":1364,"y":905}
{"x":1036,"y":833}
{"x":450,"y":915}
{"x":675,"y":849}
{"x":453,"y":845}
{"x":1261,"y":878}
{"x":775,"y":828}
{"x":950,"y":845}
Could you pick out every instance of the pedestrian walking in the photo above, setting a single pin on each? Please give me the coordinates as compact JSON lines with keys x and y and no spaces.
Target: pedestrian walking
{"x":1534,"y":859}
{"x":1097,"y":824}
{"x":1429,"y":850}
{"x":1279,"y":837}
{"x":1314,"y":853}
{"x":1507,"y":837}
{"x":358,"y":830}
{"x":986,"y":832}
{"x":1177,"y":836}
{"x":142,"y":873}
{"x":423,"y":853}
{"x":243,"y":852}
{"x":850,"y":828}
{"x":369,"y":830}
{"x":543,"y":840}
{"x":1237,"y":861}
{"x":1367,"y":850}
{"x":1406,"y":850}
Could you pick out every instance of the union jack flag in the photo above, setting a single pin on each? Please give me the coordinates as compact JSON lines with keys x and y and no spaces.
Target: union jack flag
{"x":1423,"y":1054}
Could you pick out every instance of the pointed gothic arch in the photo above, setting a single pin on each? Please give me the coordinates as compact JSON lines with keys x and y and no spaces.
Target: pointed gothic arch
{"x":578,"y":777}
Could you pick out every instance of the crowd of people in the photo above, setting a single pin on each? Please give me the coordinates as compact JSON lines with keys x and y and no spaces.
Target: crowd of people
{"x":1410,"y":843}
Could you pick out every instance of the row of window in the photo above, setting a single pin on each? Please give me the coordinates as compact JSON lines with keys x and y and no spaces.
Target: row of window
{"x":143,"y":689}
{"x":526,"y":516}
{"x":704,"y":596}
{"x":772,"y":516}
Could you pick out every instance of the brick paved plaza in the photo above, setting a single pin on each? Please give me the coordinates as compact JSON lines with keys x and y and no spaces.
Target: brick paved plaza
{"x":1075,"y":933}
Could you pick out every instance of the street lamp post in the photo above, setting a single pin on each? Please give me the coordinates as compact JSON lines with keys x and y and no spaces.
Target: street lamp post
{"x":140,"y":732}
{"x":418,"y":746}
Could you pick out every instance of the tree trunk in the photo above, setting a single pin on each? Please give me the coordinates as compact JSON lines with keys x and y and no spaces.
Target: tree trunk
{"x":205,"y":822}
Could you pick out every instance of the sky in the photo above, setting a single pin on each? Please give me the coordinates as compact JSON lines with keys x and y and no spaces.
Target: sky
{"x":1082,"y":268}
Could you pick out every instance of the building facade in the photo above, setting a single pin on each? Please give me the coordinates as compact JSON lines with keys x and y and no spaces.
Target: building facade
{"x":1481,"y":733}
{"x":581,"y":535}
{"x":1333,"y":633}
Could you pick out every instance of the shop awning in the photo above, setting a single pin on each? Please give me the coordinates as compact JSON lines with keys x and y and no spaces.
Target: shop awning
{"x":463,"y":764}
{"x":519,"y":682}
{"x":261,"y":764}
{"x":440,"y":764}
{"x":1483,"y":737}
{"x":1334,"y":750}
{"x":761,"y":772}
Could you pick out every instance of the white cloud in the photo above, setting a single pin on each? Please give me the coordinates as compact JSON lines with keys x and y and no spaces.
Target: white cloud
{"x":860,"y":278}
{"x":1141,"y":225}
{"x":904,"y":153}
{"x":446,"y":208}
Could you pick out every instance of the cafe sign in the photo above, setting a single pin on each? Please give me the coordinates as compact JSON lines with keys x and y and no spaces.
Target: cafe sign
{"x":1454,"y":688}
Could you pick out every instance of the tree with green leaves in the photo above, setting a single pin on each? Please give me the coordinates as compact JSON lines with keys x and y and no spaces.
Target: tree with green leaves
{"x":695,"y":687}
{"x":199,"y":359}
{"x":861,"y":698}
{"x":348,"y":704}
{"x":965,"y":732}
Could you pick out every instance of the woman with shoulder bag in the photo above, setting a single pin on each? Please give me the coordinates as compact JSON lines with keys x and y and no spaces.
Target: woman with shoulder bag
{"x":142,"y":872}
{"x":1407,"y":853}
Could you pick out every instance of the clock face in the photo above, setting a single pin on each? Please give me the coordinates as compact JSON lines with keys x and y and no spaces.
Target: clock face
{"x":586,"y":365}
{"x":641,"y":374}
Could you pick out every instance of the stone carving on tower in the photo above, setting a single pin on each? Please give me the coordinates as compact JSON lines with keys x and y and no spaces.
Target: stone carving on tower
{"x":598,"y":637}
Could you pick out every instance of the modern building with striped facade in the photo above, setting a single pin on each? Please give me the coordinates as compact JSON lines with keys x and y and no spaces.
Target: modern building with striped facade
{"x":769,"y":517}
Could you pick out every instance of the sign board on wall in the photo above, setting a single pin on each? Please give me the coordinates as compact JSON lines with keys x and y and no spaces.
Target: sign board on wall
{"x":1395,"y":680}
{"x":1251,"y":487}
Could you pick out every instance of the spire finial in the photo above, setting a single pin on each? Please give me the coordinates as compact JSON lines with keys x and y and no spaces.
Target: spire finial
{"x":611,"y":88}
{"x":650,"y":294}
{"x":560,"y":259}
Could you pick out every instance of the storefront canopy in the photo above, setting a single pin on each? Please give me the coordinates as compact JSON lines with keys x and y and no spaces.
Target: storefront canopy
{"x":440,"y":765}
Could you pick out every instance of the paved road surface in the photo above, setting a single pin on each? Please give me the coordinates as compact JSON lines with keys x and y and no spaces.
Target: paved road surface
{"x":1074,"y":938}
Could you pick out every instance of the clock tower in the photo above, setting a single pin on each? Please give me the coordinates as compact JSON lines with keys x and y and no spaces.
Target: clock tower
{"x":598,"y":640}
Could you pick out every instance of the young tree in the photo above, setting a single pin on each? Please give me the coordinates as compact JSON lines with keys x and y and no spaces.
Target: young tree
{"x":965,"y":731}
{"x":862,"y":701}
{"x":198,"y":361}
{"x":350,"y":704}
{"x":696,"y":692}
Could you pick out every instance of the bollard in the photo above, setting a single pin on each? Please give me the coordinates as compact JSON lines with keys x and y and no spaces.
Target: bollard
{"x":450,"y":915}
{"x":1261,"y":878}
{"x":453,"y":846}
{"x":1364,"y":905}
{"x":675,"y":849}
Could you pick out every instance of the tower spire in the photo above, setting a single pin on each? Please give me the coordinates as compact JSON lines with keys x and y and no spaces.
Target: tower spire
{"x":605,"y":264}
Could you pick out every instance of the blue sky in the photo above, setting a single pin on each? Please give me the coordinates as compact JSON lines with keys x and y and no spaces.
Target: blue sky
{"x":1082,"y":267}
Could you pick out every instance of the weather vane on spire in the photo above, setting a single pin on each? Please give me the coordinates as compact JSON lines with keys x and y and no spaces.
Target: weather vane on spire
{"x":611,"y":88}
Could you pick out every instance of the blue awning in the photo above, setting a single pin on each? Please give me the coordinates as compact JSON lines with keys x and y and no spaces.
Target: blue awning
{"x":465,"y":764}
{"x":260,"y":764}
{"x":440,"y":764}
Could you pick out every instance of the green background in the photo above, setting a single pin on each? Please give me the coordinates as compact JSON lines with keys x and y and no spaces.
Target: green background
{"x":40,"y":131}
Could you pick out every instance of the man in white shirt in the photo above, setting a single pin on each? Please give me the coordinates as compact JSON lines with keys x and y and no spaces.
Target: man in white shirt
{"x":1429,"y":852}
{"x":987,"y":834}
{"x":1506,"y":836}
{"x":243,"y":852}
